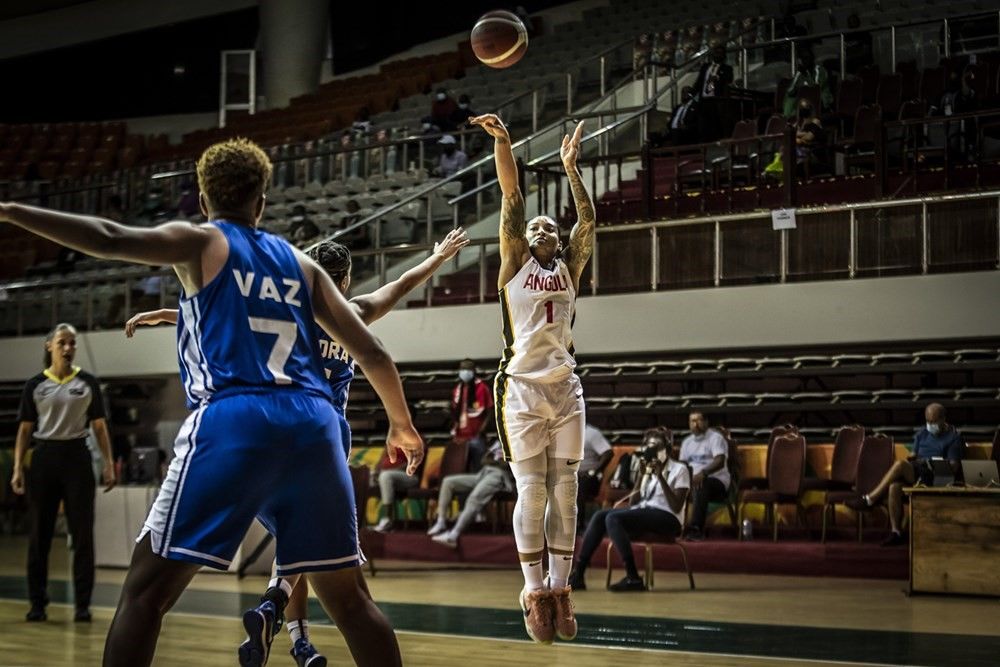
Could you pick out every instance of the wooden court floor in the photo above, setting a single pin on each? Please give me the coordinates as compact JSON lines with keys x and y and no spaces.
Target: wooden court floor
{"x":470,"y":616}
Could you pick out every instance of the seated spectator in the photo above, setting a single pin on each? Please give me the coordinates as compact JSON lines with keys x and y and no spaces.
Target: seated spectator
{"x":642,"y":50}
{"x":452,"y":159}
{"x":298,"y":217}
{"x":706,"y":451}
{"x":810,"y":138}
{"x":661,"y":493}
{"x":442,"y":109}
{"x":684,"y":128}
{"x":463,"y":112}
{"x":493,"y":477}
{"x":306,"y":234}
{"x":597,"y":454}
{"x":471,"y":402}
{"x":808,"y":73}
{"x":937,"y":439}
{"x":959,"y":95}
{"x":391,"y":479}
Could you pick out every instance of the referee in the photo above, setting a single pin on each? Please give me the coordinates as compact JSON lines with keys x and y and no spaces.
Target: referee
{"x":57,"y":406}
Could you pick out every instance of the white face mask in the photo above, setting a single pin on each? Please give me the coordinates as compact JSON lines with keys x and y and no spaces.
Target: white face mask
{"x":440,"y":97}
{"x":933,"y":429}
{"x":466,"y":375}
{"x":463,"y":106}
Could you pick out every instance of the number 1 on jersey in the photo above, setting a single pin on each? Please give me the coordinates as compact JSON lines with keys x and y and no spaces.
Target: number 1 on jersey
{"x":548,"y":312}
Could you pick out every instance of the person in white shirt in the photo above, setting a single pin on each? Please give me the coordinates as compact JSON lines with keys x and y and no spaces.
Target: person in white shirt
{"x":661,"y":495}
{"x":706,"y":451}
{"x":597,"y":454}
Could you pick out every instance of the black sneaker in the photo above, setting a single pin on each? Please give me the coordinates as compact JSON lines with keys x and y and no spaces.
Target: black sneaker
{"x":36,"y":615}
{"x":894,"y":540}
{"x":576,"y":581}
{"x":81,"y":615}
{"x":628,"y":584}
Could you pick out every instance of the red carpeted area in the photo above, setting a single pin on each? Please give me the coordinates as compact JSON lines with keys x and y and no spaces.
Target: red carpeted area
{"x":796,"y":557}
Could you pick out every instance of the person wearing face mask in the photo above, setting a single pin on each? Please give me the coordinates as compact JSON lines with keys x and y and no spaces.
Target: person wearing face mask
{"x":661,"y":495}
{"x":809,"y":73}
{"x":684,"y":120}
{"x":936,"y":439}
{"x":59,"y":407}
{"x":471,"y":402}
{"x":452,"y":159}
{"x":463,"y":112}
{"x":443,"y":107}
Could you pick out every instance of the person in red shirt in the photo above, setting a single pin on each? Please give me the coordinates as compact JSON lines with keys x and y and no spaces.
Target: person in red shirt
{"x":471,"y":407}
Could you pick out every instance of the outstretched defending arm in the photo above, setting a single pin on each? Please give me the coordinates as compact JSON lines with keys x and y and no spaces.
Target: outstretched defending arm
{"x":581,"y":238}
{"x":170,"y":243}
{"x":339,"y":319}
{"x":513,"y":244}
{"x":373,"y":306}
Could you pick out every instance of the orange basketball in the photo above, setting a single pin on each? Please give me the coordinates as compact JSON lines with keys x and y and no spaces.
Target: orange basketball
{"x":499,"y":39}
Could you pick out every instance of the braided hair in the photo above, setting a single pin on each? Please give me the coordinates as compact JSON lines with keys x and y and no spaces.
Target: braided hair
{"x":335,"y":258}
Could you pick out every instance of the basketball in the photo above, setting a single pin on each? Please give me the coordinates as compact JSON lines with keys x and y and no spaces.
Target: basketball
{"x":499,"y":39}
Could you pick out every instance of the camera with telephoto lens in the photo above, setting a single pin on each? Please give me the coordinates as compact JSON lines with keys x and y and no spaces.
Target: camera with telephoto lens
{"x":648,"y":454}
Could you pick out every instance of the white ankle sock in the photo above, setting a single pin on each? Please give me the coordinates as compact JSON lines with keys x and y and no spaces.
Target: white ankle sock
{"x":281,"y":583}
{"x":533,"y":575}
{"x":559,"y":569}
{"x":298,"y":629}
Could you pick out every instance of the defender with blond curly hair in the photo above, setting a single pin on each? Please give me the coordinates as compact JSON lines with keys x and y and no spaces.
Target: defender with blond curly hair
{"x":262,"y":439}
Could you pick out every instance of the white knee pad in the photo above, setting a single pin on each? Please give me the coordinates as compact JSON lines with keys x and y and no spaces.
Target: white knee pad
{"x":529,"y":511}
{"x":561,"y":489}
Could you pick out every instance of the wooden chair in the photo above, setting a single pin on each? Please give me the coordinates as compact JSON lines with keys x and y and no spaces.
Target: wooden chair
{"x":648,"y":541}
{"x":785,"y":467}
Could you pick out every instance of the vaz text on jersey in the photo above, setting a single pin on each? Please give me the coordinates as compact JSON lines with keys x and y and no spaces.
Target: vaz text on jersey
{"x":268,"y":289}
{"x":553,"y":283}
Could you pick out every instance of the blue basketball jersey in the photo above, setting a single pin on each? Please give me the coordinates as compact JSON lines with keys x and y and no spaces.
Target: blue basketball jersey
{"x":339,"y":368}
{"x":251,"y":327}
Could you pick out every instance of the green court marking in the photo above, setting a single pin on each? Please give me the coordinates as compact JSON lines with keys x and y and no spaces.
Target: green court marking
{"x":665,"y":634}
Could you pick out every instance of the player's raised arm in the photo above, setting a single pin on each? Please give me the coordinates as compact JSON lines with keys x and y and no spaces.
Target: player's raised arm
{"x":150,"y":318}
{"x":170,"y":243}
{"x":339,"y":319}
{"x":513,"y":244}
{"x":581,"y":237}
{"x":373,"y":306}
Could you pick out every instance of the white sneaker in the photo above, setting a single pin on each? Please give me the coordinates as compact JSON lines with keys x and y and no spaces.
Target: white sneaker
{"x":447,"y":539}
{"x":383,"y":526}
{"x":438,"y":528}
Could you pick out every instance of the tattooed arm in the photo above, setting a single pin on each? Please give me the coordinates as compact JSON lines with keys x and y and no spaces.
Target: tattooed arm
{"x":513,"y":243}
{"x":581,"y":238}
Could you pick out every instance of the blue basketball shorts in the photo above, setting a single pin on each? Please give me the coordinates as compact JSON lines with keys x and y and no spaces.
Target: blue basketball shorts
{"x":277,"y":456}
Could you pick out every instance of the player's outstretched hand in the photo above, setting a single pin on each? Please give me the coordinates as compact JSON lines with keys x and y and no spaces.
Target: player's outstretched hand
{"x":493,"y":126}
{"x":148,"y":318}
{"x":407,"y":440}
{"x":108,"y":476}
{"x":570,"y":149}
{"x":449,"y":246}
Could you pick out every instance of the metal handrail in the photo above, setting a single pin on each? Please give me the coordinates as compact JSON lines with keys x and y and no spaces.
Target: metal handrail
{"x":837,"y":33}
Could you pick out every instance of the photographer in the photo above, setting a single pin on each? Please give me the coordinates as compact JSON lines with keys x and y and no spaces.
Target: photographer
{"x":662,"y":493}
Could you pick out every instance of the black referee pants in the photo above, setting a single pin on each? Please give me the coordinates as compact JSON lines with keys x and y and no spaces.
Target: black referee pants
{"x":61,"y":472}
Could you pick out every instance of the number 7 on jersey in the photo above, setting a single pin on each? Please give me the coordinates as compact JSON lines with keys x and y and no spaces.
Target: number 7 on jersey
{"x":286,"y":332}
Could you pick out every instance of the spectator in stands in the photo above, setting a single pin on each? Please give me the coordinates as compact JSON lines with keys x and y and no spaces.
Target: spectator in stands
{"x":810,"y":138}
{"x":452,"y":159}
{"x":706,"y":451}
{"x":959,"y":95}
{"x":642,"y":51}
{"x":59,"y":407}
{"x":443,"y":107}
{"x":188,"y":206}
{"x":471,"y":402}
{"x":857,"y":45}
{"x":463,"y":112}
{"x":684,"y":127}
{"x":298,"y":218}
{"x":662,"y":492}
{"x":937,"y":439}
{"x":715,"y":76}
{"x":306,"y":234}
{"x":493,"y":477}
{"x":808,"y":73}
{"x":392,"y":479}
{"x":597,"y":454}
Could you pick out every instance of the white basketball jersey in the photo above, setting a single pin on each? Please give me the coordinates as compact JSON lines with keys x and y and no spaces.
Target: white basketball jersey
{"x":538,"y":306}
